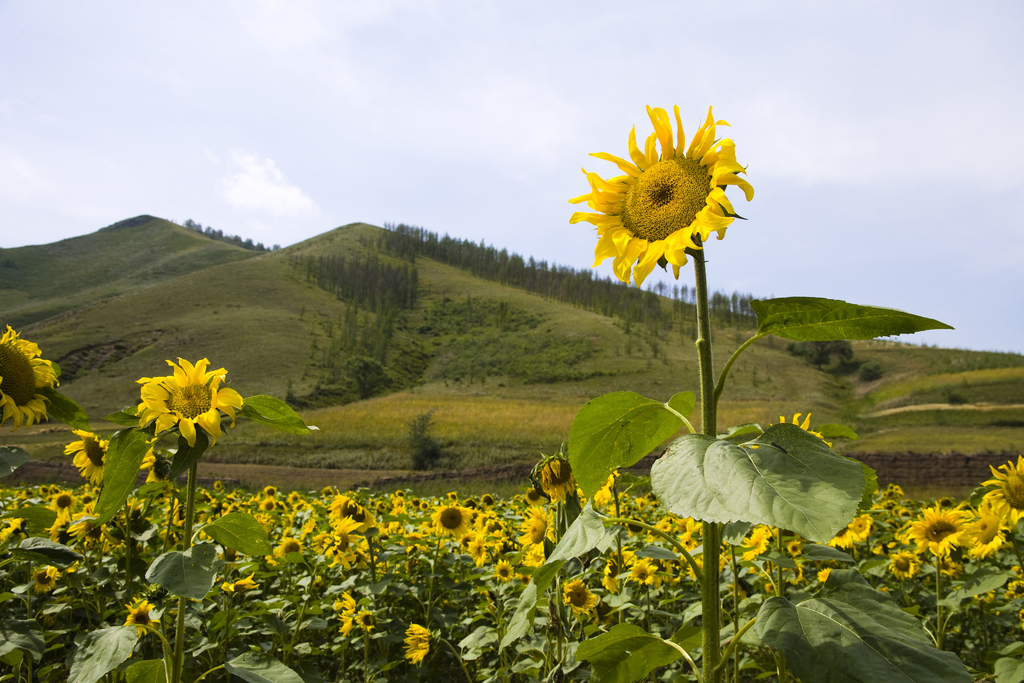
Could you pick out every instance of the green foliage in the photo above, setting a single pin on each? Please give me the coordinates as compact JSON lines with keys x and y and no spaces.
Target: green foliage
{"x":125,"y":452}
{"x":537,"y":359}
{"x":147,"y":671}
{"x":187,"y":574}
{"x":626,"y":653}
{"x":819,"y":353}
{"x":22,"y":634}
{"x":64,"y":409}
{"x":259,"y":667}
{"x":870,"y":371}
{"x":11,"y":458}
{"x":450,"y":316}
{"x":425,"y":448}
{"x":100,"y":652}
{"x":48,"y":552}
{"x":804,"y":318}
{"x":275,"y":413}
{"x":850,"y":632}
{"x":186,"y":455}
{"x":241,"y":532}
{"x":366,"y":373}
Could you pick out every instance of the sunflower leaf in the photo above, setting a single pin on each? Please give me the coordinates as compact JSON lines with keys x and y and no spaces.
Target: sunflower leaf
{"x":259,"y":667}
{"x":625,"y":653}
{"x":187,"y":574}
{"x":100,"y":652}
{"x":22,"y":634}
{"x":11,"y":458}
{"x":804,"y":318}
{"x":834,"y":431}
{"x":785,"y":478}
{"x":124,"y":456}
{"x":146,"y":671}
{"x":239,"y":531}
{"x":126,"y":417}
{"x":39,"y":517}
{"x":616,"y":430}
{"x":186,"y":455}
{"x":850,"y":632}
{"x":53,"y":553}
{"x":64,"y":409}
{"x":275,"y":413}
{"x":522,"y":621}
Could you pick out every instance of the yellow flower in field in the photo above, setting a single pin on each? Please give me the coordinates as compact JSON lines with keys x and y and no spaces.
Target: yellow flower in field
{"x":904,"y":565}
{"x":89,"y":453}
{"x":22,"y":374}
{"x":16,"y":525}
{"x":188,"y":398}
{"x":417,"y":643}
{"x":795,"y":547}
{"x":532,"y":497}
{"x":950,"y":568}
{"x":343,"y":506}
{"x":1008,"y":496}
{"x":985,"y":535}
{"x":451,"y":520}
{"x":557,"y":480}
{"x":62,"y":502}
{"x":664,"y":203}
{"x":938,"y":531}
{"x":844,"y":538}
{"x":577,"y":596}
{"x":643,"y":572}
{"x":478,"y":551}
{"x":365,"y":620}
{"x":823,"y":575}
{"x":139,"y":616}
{"x":758,"y":542}
{"x":246,"y":584}
{"x":45,"y":580}
{"x":536,"y":527}
{"x":286,"y":546}
{"x":535,"y":555}
{"x":504,"y":571}
{"x":861,"y":527}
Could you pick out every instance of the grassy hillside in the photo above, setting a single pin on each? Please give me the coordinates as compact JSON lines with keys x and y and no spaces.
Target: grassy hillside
{"x":363,"y":341}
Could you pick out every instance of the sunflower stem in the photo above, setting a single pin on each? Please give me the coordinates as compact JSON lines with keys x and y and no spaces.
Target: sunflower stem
{"x":127,"y":552}
{"x":728,"y":365}
{"x":186,"y":543}
{"x":939,"y":626}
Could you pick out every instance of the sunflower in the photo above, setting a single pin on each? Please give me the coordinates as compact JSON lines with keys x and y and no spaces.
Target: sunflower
{"x":22,"y":374}
{"x":985,"y":535}
{"x":451,"y":520}
{"x":642,"y":571}
{"x":417,"y":643}
{"x":1008,"y":496}
{"x":45,"y":580}
{"x":938,"y":531}
{"x":139,"y":616}
{"x":664,"y":204}
{"x":62,"y":502}
{"x":504,"y":572}
{"x":90,"y":451}
{"x":246,"y":584}
{"x":860,"y":527}
{"x":478,"y":551}
{"x":557,"y":479}
{"x":286,"y":546}
{"x":904,"y":565}
{"x":758,"y":542}
{"x":576,"y":595}
{"x":823,"y":575}
{"x":365,"y":620}
{"x":536,"y":527}
{"x":844,"y":538}
{"x":188,"y":398}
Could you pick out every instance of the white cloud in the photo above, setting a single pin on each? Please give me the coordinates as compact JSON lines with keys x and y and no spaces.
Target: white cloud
{"x":256,"y":184}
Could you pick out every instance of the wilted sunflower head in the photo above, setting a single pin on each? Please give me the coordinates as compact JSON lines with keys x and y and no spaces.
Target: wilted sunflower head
{"x":417,"y":643}
{"x":557,"y":479}
{"x":22,"y":375}
{"x":665,"y":203}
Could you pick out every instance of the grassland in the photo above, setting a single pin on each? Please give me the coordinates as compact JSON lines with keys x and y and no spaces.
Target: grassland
{"x":501,"y":371}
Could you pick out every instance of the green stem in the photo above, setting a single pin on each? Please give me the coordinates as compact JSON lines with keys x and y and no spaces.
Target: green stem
{"x":210,"y":671}
{"x":186,"y":542}
{"x":939,"y":626}
{"x":728,"y":365}
{"x":128,"y":552}
{"x":727,"y":652}
{"x":668,"y":537}
{"x":366,"y":656}
{"x":459,"y":659}
{"x":735,"y":613}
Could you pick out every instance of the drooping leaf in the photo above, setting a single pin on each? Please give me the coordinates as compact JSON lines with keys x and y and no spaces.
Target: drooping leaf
{"x":11,"y":458}
{"x":39,"y":518}
{"x":850,"y":632}
{"x":22,"y":634}
{"x":581,"y":537}
{"x":259,"y":667}
{"x":274,"y":412}
{"x":657,"y":552}
{"x":188,"y":574}
{"x":785,"y":478}
{"x":186,"y":455}
{"x":616,"y":430}
{"x":64,"y":409}
{"x":825,"y":553}
{"x":834,"y":431}
{"x":52,"y":553}
{"x":522,"y":620}
{"x":741,"y":430}
{"x":126,"y":417}
{"x":124,"y":456}
{"x":734,"y":532}
{"x":981,"y":581}
{"x":804,"y":318}
{"x":146,"y":671}
{"x":239,"y":531}
{"x":101,"y":652}
{"x":625,"y":653}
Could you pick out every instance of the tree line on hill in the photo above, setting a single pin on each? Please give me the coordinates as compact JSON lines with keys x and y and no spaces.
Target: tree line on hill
{"x":562,"y":283}
{"x":219,"y":235}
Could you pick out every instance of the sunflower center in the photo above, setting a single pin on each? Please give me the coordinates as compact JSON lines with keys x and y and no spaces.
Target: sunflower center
{"x":451,"y":518}
{"x":939,"y":530}
{"x":291,"y":546}
{"x":190,"y":401}
{"x":666,"y":198}
{"x":578,"y":596}
{"x":902,"y":564}
{"x":987,"y":530}
{"x":65,"y":500}
{"x":93,"y":451}
{"x":1013,"y":491}
{"x":18,"y":379}
{"x":142,"y":618}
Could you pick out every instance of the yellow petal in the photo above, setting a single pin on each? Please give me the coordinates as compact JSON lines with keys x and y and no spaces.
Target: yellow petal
{"x":681,"y":144}
{"x":663,"y":129}
{"x":624,"y":166}
{"x":188,"y":430}
{"x":643,"y":268}
{"x":605,"y":249}
{"x":748,"y":190}
{"x":651,"y":149}
{"x":634,"y":152}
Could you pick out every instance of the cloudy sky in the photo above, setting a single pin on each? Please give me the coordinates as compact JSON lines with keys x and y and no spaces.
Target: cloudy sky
{"x":883,"y":139}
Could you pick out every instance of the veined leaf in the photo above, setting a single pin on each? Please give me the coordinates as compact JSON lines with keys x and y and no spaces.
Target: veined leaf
{"x":52,"y":553}
{"x":126,"y":417}
{"x":146,"y":671}
{"x":22,"y":634}
{"x":850,"y":632}
{"x":188,"y":574}
{"x":100,"y":652}
{"x":785,"y":478}
{"x":625,"y":653}
{"x":186,"y":455}
{"x":239,"y":531}
{"x":11,"y":458}
{"x":259,"y":667}
{"x":804,"y":318}
{"x":274,"y":412}
{"x":64,"y":409}
{"x":39,"y":518}
{"x":616,"y":430}
{"x":124,"y":456}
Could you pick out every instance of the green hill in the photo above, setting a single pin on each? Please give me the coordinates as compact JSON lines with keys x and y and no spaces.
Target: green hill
{"x":365,"y":329}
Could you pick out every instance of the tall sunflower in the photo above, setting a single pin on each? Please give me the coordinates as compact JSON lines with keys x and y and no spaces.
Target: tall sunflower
{"x":557,"y":479}
{"x":90,"y":451}
{"x":417,"y":643}
{"x":188,"y":398}
{"x":1008,"y":495}
{"x":939,"y":531}
{"x":664,"y":204}
{"x":22,"y":374}
{"x":451,"y":520}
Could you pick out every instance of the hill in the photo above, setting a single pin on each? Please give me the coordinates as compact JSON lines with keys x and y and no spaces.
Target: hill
{"x":365,"y":329}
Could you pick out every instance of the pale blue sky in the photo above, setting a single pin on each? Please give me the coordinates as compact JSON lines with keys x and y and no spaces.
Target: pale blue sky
{"x":883,"y":139}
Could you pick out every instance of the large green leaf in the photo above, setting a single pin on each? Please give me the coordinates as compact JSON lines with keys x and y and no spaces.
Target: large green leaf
{"x":785,"y":478}
{"x":101,"y":652}
{"x":521,"y":622}
{"x":805,"y":318}
{"x":126,"y":417}
{"x":239,"y":531}
{"x":124,"y":456}
{"x":39,"y":518}
{"x":274,"y":412}
{"x":186,"y":455}
{"x":259,"y":667}
{"x":982,"y":580}
{"x":22,"y":634}
{"x":64,"y":409}
{"x":50,"y":552}
{"x":146,"y":671}
{"x":11,"y":458}
{"x":188,"y":574}
{"x":625,"y":653}
{"x":616,"y":430}
{"x":850,"y":632}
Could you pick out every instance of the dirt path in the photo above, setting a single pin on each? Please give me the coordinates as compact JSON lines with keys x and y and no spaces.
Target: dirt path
{"x":946,"y":406}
